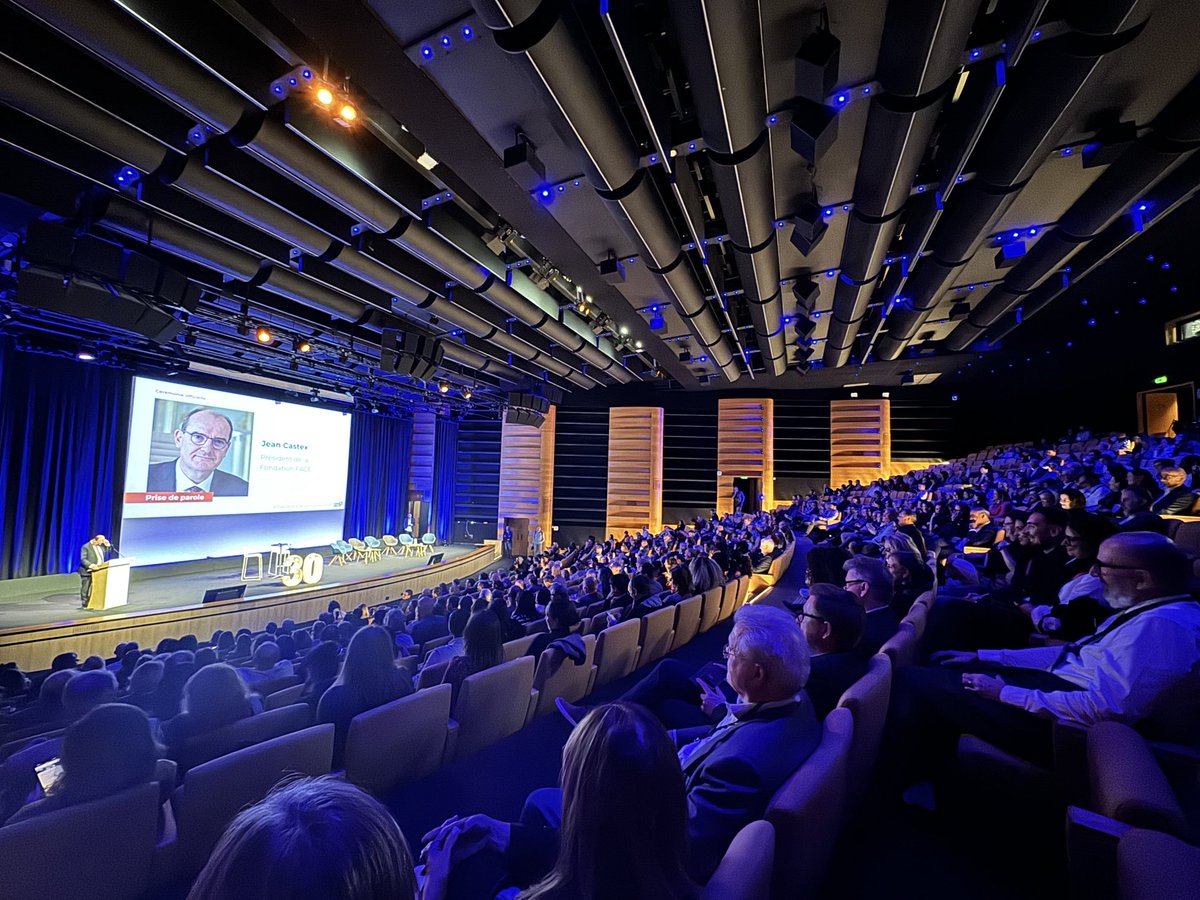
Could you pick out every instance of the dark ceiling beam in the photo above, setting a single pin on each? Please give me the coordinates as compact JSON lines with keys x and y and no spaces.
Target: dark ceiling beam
{"x":376,"y":61}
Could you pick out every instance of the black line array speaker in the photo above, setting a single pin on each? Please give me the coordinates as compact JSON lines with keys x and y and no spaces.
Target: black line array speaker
{"x":80,"y":298}
{"x":57,"y":247}
{"x":526,"y":409}
{"x":410,"y":353}
{"x":814,"y":127}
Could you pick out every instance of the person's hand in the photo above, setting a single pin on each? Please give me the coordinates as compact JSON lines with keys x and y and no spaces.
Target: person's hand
{"x":711,"y":699}
{"x":984,"y":685}
{"x":954,"y":657}
{"x":1050,"y":624}
{"x":460,"y":837}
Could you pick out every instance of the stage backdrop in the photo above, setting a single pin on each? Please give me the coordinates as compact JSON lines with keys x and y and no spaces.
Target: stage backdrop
{"x":62,"y":433}
{"x":380,"y":449}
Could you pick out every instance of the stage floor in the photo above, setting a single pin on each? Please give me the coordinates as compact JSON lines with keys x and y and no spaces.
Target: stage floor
{"x":55,"y":598}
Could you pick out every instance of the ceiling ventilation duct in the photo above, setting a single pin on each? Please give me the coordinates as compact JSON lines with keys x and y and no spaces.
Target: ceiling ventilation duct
{"x":901,"y":119}
{"x":1029,"y":120}
{"x":564,"y":65}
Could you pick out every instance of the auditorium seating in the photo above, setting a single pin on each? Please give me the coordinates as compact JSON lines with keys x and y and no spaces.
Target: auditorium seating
{"x":711,"y":609}
{"x":282,"y":698}
{"x":808,"y":810}
{"x":100,"y":849}
{"x":399,"y":741}
{"x":687,"y":619}
{"x":559,"y":676}
{"x":243,"y":733}
{"x":658,"y":629}
{"x":617,"y":651}
{"x":492,"y":704}
{"x":901,"y":647}
{"x":867,"y":700}
{"x":213,"y":793}
{"x":745,"y":870}
{"x":1156,"y":866}
{"x":517,"y":648}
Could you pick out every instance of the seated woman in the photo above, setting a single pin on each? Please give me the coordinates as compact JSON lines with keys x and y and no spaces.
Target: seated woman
{"x":369,"y":678}
{"x":109,"y":750}
{"x":483,"y":648}
{"x":622,"y":821}
{"x":143,"y":684}
{"x":214,"y":697}
{"x":1081,"y":607}
{"x":910,"y":579}
{"x":321,"y":665}
{"x":311,"y":839}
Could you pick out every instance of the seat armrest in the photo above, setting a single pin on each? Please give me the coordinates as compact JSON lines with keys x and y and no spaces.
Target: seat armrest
{"x":533,"y":702}
{"x":1092,"y":853}
{"x":1071,"y":761}
{"x":451,"y":741}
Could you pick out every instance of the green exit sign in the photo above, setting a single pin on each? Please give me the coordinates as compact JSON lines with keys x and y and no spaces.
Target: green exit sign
{"x":1161,"y":379}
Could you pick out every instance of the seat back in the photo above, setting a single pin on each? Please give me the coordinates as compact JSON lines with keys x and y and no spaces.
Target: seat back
{"x":244,"y":733}
{"x":432,"y":675}
{"x":596,"y":624}
{"x":808,"y":811}
{"x":372,"y":542}
{"x":745,"y":870}
{"x":517,"y":647}
{"x":687,"y":620}
{"x":399,"y":741}
{"x":901,"y":647}
{"x":358,"y":544}
{"x":286,"y":697}
{"x":100,"y":849}
{"x":743,"y":592}
{"x":617,"y":651}
{"x":434,"y":643}
{"x":658,"y":629}
{"x":406,"y":539}
{"x":389,"y":540}
{"x":568,"y":680}
{"x":711,"y":609}
{"x":492,"y":705}
{"x":917,"y":617}
{"x":429,"y":538}
{"x":1127,"y":783}
{"x":867,"y":699}
{"x":213,"y":794}
{"x":728,"y":599}
{"x":1188,"y":538}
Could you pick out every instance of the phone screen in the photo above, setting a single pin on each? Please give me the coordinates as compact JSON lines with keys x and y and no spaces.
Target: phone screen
{"x":48,"y":774}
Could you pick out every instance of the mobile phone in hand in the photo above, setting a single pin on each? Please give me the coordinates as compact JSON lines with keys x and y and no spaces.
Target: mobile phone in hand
{"x":49,"y":774}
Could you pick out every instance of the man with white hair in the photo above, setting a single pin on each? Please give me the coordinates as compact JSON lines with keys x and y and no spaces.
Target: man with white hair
{"x":732,"y":769}
{"x":1177,"y":497}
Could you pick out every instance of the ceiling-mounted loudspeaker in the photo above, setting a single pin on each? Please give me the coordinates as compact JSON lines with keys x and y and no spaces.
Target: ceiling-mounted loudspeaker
{"x":81,"y":298}
{"x":808,"y":227}
{"x":1010,"y":254}
{"x":612,"y":270}
{"x":960,"y":310}
{"x":804,"y":350}
{"x":817,"y":65}
{"x":521,"y":159}
{"x":813,"y":129}
{"x":524,"y":417}
{"x":1110,"y":143}
{"x":410,"y":353}
{"x":804,"y":326}
{"x":806,"y":291}
{"x":803,"y":366}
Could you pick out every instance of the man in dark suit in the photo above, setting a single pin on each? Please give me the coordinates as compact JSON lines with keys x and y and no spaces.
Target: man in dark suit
{"x":832,"y":622}
{"x":203,"y":439}
{"x":731,"y":770}
{"x":1135,"y":512}
{"x":91,"y":555}
{"x":1177,"y":498}
{"x":871,"y":584}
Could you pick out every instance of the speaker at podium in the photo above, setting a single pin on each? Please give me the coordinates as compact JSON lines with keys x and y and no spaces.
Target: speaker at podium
{"x":110,"y":583}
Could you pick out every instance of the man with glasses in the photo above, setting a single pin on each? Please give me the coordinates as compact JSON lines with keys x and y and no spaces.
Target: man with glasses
{"x":1141,"y":666}
{"x":203,"y":439}
{"x":832,"y":622}
{"x":870,"y":582}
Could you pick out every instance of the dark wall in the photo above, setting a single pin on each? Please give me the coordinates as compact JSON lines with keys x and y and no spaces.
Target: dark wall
{"x":477,"y":478}
{"x":580,"y":472}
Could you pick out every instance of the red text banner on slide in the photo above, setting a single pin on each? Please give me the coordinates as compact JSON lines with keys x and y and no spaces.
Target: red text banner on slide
{"x":168,"y":496}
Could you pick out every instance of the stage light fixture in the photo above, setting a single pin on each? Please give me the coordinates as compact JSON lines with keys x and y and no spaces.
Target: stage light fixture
{"x":85,"y":354}
{"x":347,"y":114}
{"x":443,"y":387}
{"x":623,"y":331}
{"x":263,"y":335}
{"x":302,"y":345}
{"x":325,"y":96}
{"x":466,"y":393}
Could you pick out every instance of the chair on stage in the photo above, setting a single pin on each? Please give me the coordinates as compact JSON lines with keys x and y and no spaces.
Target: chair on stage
{"x":252,"y":556}
{"x":342,"y":553}
{"x":374,"y":548}
{"x":407,"y":544}
{"x":361,"y":551}
{"x":428,"y":540}
{"x":391,"y":546}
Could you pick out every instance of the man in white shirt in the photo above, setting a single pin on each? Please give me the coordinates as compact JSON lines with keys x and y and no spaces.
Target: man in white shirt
{"x":1141,"y":667}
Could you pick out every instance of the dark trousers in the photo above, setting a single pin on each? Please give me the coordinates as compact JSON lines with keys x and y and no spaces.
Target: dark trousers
{"x":85,"y":587}
{"x":931,"y":709}
{"x":670,"y":694}
{"x":957,"y":624}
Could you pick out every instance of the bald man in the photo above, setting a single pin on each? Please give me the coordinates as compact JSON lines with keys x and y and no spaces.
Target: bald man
{"x":1141,"y":666}
{"x":1177,"y":497}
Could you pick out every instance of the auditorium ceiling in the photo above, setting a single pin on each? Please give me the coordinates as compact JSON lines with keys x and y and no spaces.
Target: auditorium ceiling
{"x":446,"y":202}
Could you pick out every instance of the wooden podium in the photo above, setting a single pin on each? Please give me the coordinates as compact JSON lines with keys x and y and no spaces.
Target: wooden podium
{"x":110,"y":584}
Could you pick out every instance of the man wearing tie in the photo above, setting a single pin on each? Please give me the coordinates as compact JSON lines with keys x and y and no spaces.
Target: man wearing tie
{"x":92,"y":555}
{"x":203,"y":439}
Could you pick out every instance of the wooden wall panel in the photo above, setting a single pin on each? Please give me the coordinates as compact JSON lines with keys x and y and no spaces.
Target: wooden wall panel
{"x":860,"y":441}
{"x":635,"y":462}
{"x":745,"y":448}
{"x":527,"y":474}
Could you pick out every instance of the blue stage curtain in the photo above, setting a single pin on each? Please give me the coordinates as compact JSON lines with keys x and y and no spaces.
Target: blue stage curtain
{"x":445,"y":459}
{"x":62,"y":434}
{"x":377,"y":485}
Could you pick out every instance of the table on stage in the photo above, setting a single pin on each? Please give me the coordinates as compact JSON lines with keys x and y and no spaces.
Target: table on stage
{"x":110,"y":583}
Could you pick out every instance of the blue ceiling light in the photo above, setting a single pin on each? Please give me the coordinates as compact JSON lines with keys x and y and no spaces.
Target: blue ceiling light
{"x":426,"y":52}
{"x":1032,"y":232}
{"x":702,"y":359}
{"x":830,"y":273}
{"x":292,"y":81}
{"x":1166,"y":265}
{"x":545,"y":193}
{"x":127,"y":176}
{"x":467,"y":32}
{"x":1141,"y":301}
{"x":1174,"y":289}
{"x":845,"y":207}
{"x":841,"y":99}
{"x":1016,"y":234}
{"x":920,"y":188}
{"x":653,"y":158}
{"x":278,"y":88}
{"x":561,"y":188}
{"x":976,"y":53}
{"x":1035,"y":35}
{"x":446,"y":42}
{"x":866,"y":90}
{"x":772,"y":120}
{"x":692,"y":146}
{"x":1066,"y":151}
{"x":306,"y":74}
{"x":828,"y":211}
{"x":1091,"y":321}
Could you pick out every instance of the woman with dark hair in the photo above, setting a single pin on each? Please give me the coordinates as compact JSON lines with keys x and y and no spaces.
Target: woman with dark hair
{"x":526,"y":609}
{"x":510,"y":629}
{"x":680,"y":584}
{"x":312,"y":839}
{"x":369,"y":678}
{"x":483,"y":648}
{"x":624,"y":816}
{"x":109,"y":750}
{"x":825,"y":562}
{"x":1080,"y":608}
{"x":213,"y":697}
{"x":910,"y":579}
{"x":321,"y":665}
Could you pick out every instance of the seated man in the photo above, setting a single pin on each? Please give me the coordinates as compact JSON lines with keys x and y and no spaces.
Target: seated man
{"x":1142,"y":667}
{"x":832,"y":622}
{"x":982,"y":533}
{"x":561,"y":619}
{"x":731,"y":770}
{"x":1135,"y":512}
{"x":871,"y":584}
{"x":1177,"y":497}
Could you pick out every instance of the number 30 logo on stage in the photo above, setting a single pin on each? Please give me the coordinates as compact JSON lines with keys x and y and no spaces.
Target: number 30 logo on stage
{"x":306,"y":570}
